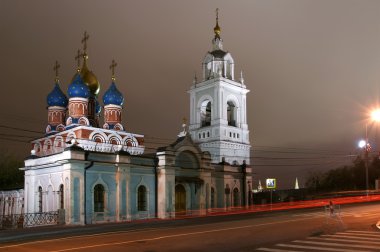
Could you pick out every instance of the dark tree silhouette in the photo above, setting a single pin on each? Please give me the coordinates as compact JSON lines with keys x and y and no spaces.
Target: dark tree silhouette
{"x":10,"y":175}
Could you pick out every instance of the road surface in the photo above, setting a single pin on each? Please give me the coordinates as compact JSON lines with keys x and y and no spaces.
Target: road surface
{"x":294,"y":230}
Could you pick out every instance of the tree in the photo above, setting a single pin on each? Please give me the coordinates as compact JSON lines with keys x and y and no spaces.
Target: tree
{"x":345,"y":178}
{"x":11,"y":177}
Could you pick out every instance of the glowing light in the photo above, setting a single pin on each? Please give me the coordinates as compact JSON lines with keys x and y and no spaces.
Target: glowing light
{"x":375,"y":115}
{"x":362,"y":143}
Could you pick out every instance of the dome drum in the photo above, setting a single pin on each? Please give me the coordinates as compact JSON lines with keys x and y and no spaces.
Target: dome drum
{"x":112,"y":115}
{"x":78,"y":107}
{"x":56,"y":115}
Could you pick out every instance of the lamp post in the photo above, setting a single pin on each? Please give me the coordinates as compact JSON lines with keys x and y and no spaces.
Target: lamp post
{"x":374,"y":117}
{"x":366,"y":151}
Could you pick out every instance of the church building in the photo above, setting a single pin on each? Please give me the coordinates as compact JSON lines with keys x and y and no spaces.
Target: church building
{"x":92,"y":169}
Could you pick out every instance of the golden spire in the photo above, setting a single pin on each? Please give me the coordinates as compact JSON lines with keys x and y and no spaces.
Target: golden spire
{"x":56,"y":67}
{"x":217,"y":28}
{"x":112,"y":67}
{"x":77,"y":58}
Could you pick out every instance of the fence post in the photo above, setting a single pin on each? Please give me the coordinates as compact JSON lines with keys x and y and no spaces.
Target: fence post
{"x":61,"y":217}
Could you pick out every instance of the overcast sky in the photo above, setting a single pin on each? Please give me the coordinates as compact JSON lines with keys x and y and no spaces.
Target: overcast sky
{"x":313,"y":67}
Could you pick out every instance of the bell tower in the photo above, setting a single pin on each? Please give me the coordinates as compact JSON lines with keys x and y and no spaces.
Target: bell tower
{"x":218,"y":110}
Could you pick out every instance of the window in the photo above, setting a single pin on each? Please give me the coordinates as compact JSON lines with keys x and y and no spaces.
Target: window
{"x":61,"y":206}
{"x":236,"y":197}
{"x":206,"y":113}
{"x":231,"y":114}
{"x":99,"y":198}
{"x":208,"y":134}
{"x":141,"y":198}
{"x":40,"y":199}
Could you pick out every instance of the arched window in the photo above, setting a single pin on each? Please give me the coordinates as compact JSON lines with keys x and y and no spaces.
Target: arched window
{"x":141,"y":198}
{"x":212,"y":197}
{"x":40,"y":199}
{"x":206,"y":113}
{"x":61,"y":206}
{"x":231,"y":113}
{"x":99,"y":198}
{"x":236,"y":197}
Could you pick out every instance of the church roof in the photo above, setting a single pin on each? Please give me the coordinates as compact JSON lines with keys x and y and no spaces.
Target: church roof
{"x":218,"y":54}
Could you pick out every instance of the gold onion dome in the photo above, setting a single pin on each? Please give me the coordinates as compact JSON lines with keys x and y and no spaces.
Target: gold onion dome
{"x":89,"y":78}
{"x":217,"y":30}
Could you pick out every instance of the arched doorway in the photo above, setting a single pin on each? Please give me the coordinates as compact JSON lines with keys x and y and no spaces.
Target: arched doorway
{"x":180,"y":199}
{"x":236,"y":198}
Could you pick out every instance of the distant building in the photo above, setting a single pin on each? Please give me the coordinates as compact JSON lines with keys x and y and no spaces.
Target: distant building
{"x":100,"y":174}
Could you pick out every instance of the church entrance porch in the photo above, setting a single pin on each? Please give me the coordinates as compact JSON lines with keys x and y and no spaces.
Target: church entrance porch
{"x":180,"y":199}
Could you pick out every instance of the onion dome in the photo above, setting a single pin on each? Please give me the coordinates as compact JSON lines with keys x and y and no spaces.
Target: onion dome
{"x":78,"y":88}
{"x":217,"y":30}
{"x":56,"y":97}
{"x":89,"y":78}
{"x":113,"y":96}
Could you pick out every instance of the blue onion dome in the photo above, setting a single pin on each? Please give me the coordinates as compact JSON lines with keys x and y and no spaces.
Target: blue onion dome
{"x":56,"y":97}
{"x":98,"y":108}
{"x":113,"y":96}
{"x":78,"y":88}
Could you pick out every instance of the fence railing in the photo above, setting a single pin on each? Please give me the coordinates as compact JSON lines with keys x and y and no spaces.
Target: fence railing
{"x":30,"y":219}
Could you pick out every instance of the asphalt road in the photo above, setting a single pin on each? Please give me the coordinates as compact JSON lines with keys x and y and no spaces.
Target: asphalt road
{"x":242,"y":232}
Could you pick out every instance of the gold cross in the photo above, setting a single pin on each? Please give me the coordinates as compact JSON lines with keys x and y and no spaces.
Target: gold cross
{"x":112,"y":67}
{"x":56,"y":67}
{"x":84,"y":41}
{"x":184,"y":120}
{"x":77,"y":57}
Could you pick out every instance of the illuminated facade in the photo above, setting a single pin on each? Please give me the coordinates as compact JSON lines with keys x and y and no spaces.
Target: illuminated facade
{"x":218,"y":108}
{"x":102,"y":174}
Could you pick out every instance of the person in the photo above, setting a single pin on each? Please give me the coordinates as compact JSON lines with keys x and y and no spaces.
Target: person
{"x":331,"y":208}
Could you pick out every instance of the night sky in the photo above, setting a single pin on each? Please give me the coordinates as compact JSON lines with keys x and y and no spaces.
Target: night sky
{"x":313,"y":68}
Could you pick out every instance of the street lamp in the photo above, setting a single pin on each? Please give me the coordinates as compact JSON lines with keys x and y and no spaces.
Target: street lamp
{"x":374,"y":117}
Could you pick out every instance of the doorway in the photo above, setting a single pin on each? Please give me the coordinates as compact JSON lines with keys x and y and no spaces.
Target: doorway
{"x":180,"y":199}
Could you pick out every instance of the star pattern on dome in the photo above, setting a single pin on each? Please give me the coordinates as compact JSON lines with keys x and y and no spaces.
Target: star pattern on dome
{"x":56,"y":97}
{"x":113,"y":96}
{"x":78,"y":88}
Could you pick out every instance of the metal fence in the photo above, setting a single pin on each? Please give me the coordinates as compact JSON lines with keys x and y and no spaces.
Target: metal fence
{"x":29,"y":220}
